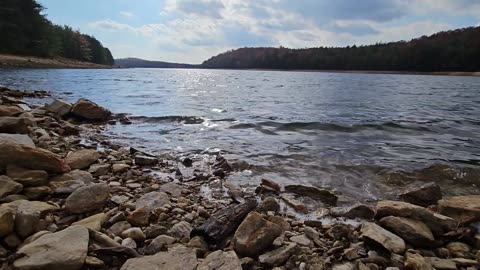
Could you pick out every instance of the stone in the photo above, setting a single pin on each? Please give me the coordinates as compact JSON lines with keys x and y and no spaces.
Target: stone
{"x":425,"y":195}
{"x":295,"y":204}
{"x":8,"y":187}
{"x":284,"y":225}
{"x":94,"y":222}
{"x":302,"y":240}
{"x":152,"y":200}
{"x":358,"y":210}
{"x":31,"y":158}
{"x":271,"y":185}
{"x":145,"y":160}
{"x":117,"y":228}
{"x":139,"y":217}
{"x":120,"y":168}
{"x":36,"y":193}
{"x":129,"y":242}
{"x":155,"y":230}
{"x":467,"y":263}
{"x":14,"y":125}
{"x":69,"y":182}
{"x":7,"y":220}
{"x":12,"y":241}
{"x":28,"y":215}
{"x":464,"y":209}
{"x":94,"y":262}
{"x":99,"y":169}
{"x":269,"y":204}
{"x":413,"y":231}
{"x":82,"y":159}
{"x":88,"y":198}
{"x":59,"y":107}
{"x":459,"y":250}
{"x":321,"y":194}
{"x":119,"y":199}
{"x":160,"y":243}
{"x":388,"y":240}
{"x":171,"y":188}
{"x":417,"y":262}
{"x":9,"y":110}
{"x":254,"y":235}
{"x":42,"y":134}
{"x":441,"y":264}
{"x":181,"y":230}
{"x":221,"y":260}
{"x":28,"y":178}
{"x":89,"y":110}
{"x":175,"y":259}
{"x":199,"y":244}
{"x":20,"y":139}
{"x":66,"y":249}
{"x":135,"y":233}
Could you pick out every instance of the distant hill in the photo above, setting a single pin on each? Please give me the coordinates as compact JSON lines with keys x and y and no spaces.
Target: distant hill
{"x":456,"y":50}
{"x":140,"y":63}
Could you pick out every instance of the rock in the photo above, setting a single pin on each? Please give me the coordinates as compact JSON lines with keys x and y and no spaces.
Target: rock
{"x":464,"y":209}
{"x":139,"y":217}
{"x":344,"y":266}
{"x":358,"y":210}
{"x":69,"y":182}
{"x":459,"y":250}
{"x":441,"y":264}
{"x":7,"y":221}
{"x":129,"y":242}
{"x":31,"y":158}
{"x":66,"y":249}
{"x":77,"y":175}
{"x":269,"y":204}
{"x":119,"y":199}
{"x":302,"y":240}
{"x":176,"y":259}
{"x":89,"y":110}
{"x":284,"y":225}
{"x":383,"y":237}
{"x":152,"y":200}
{"x":94,"y":222}
{"x":36,"y":193}
{"x":171,"y":188}
{"x":88,"y":198}
{"x":20,"y":139}
{"x":321,"y":194}
{"x":295,"y":204}
{"x":413,"y":231}
{"x":99,"y":169}
{"x":120,"y":168}
{"x":417,"y":262}
{"x":160,"y":243}
{"x":8,"y":187}
{"x":42,"y":134}
{"x":28,"y":178}
{"x":135,"y":233}
{"x":59,"y":107}
{"x":155,"y":230}
{"x":9,"y":110}
{"x":14,"y":125}
{"x":425,"y":195}
{"x":270,"y":185}
{"x":66,"y":187}
{"x":28,"y":214}
{"x":181,"y":230}
{"x":221,"y":260}
{"x":145,"y":160}
{"x":466,"y":262}
{"x":254,"y":235}
{"x":82,"y":159}
{"x":199,"y":244}
{"x":117,"y":228}
{"x":94,"y":262}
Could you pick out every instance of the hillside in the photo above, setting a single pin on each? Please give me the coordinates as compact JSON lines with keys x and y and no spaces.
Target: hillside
{"x":457,"y":50}
{"x":140,"y":63}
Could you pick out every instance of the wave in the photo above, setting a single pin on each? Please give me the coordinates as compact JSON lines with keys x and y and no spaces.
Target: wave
{"x":191,"y":120}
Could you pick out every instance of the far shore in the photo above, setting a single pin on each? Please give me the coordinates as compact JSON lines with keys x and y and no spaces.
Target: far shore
{"x":16,"y":61}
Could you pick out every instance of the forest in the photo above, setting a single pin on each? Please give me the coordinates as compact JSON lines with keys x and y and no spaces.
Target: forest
{"x":456,"y":50}
{"x":26,"y":31}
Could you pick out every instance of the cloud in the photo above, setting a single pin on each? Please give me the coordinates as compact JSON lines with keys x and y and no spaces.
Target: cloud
{"x":207,"y":8}
{"x":127,"y":14}
{"x":111,"y":25}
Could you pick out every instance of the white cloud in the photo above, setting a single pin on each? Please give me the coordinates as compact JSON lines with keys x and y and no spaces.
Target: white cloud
{"x":127,"y":14}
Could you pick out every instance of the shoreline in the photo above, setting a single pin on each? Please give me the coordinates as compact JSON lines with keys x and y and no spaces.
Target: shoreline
{"x":64,"y":181}
{"x":14,"y":61}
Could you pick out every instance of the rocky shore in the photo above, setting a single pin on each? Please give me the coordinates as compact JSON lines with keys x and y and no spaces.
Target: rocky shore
{"x":72,"y":199}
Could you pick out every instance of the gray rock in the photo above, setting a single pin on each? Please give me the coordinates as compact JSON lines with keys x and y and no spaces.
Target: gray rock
{"x":175,"y":259}
{"x":129,"y":242}
{"x":88,"y":198}
{"x":413,"y":231}
{"x":89,"y":110}
{"x":321,"y":194}
{"x":94,"y":222}
{"x":171,"y":188}
{"x":99,"y":169}
{"x":8,"y":187}
{"x":425,"y":195}
{"x":117,"y":228}
{"x":28,"y":214}
{"x":301,"y":240}
{"x":82,"y":159}
{"x":153,"y":200}
{"x":14,"y":125}
{"x":26,"y":177}
{"x":441,"y":264}
{"x":120,"y":168}
{"x":16,"y":139}
{"x":221,"y":260}
{"x":59,"y":107}
{"x":36,"y":193}
{"x":383,"y":237}
{"x":278,"y":256}
{"x":145,"y":160}
{"x":135,"y":233}
{"x":181,"y":230}
{"x":160,"y":243}
{"x":269,"y":204}
{"x":356,"y":211}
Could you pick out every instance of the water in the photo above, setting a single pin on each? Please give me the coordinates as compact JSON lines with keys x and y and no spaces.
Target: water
{"x":364,"y":135}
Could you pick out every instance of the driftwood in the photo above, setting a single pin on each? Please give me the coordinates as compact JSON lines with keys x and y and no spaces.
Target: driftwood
{"x":220,"y":225}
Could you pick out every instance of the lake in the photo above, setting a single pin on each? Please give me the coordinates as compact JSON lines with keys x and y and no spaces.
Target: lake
{"x":364,"y":135}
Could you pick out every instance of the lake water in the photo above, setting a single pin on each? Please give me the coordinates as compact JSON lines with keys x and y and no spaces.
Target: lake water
{"x":364,"y":135}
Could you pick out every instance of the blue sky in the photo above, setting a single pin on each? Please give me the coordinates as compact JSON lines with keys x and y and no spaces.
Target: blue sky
{"x":191,"y":31}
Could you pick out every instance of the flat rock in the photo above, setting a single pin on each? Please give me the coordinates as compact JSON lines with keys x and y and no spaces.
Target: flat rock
{"x":99,"y":169}
{"x":302,"y":240}
{"x":464,"y":209}
{"x":28,"y":214}
{"x":441,"y":264}
{"x":271,"y":185}
{"x":26,"y":177}
{"x":6,"y":110}
{"x":321,"y":194}
{"x":20,"y":139}
{"x":8,"y":186}
{"x":69,"y":182}
{"x":152,"y":200}
{"x":145,"y":160}
{"x":135,"y":233}
{"x":160,"y":243}
{"x":176,"y":259}
{"x":416,"y":261}
{"x":357,"y":210}
{"x":120,"y":168}
{"x":82,"y":159}
{"x":88,"y":198}
{"x":278,"y":256}
{"x":89,"y":110}
{"x":294,"y":203}
{"x":36,"y":193}
{"x":269,"y":204}
{"x":254,"y":235}
{"x":181,"y":230}
{"x":413,"y":231}
{"x":59,"y":107}
{"x":14,"y":125}
{"x":94,"y":222}
{"x":66,"y":249}
{"x":221,"y":260}
{"x":31,"y":158}
{"x":171,"y":188}
{"x":383,"y":237}
{"x":424,"y":195}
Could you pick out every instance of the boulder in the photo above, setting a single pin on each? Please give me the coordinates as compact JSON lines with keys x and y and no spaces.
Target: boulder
{"x":120,"y":168}
{"x":269,"y":204}
{"x":270,"y":185}
{"x":321,"y":194}
{"x":8,"y":187}
{"x":181,"y":230}
{"x":302,"y":240}
{"x":459,"y":250}
{"x":357,"y":210}
{"x":26,"y":177}
{"x":59,"y":107}
{"x":31,"y":158}
{"x":82,"y":159}
{"x":171,"y":188}
{"x":176,"y":259}
{"x":135,"y":233}
{"x":278,"y":256}
{"x":388,"y":240}
{"x":139,"y":217}
{"x":221,"y":260}
{"x":417,"y":262}
{"x":295,"y":204}
{"x":94,"y":222}
{"x":89,"y":110}
{"x":20,"y":139}
{"x":7,"y":220}
{"x":464,"y":209}
{"x":14,"y":125}
{"x":160,"y":243}
{"x":145,"y":160}
{"x":36,"y":193}
{"x":66,"y":249}
{"x":254,"y":235}
{"x":28,"y":215}
{"x":152,"y":200}
{"x":99,"y":169}
{"x":425,"y":195}
{"x":88,"y":198}
{"x":6,"y":110}
{"x":413,"y":231}
{"x":69,"y":182}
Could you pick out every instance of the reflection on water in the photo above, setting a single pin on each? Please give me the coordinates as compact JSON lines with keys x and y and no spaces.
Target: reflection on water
{"x":364,"y":135}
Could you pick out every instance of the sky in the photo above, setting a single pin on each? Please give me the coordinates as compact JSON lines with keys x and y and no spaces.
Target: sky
{"x":191,"y":31}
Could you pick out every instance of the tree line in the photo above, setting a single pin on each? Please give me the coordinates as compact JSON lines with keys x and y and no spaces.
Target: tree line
{"x":26,"y":31}
{"x":456,"y":50}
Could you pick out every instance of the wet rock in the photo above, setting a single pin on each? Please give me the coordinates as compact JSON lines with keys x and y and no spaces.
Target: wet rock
{"x":441,"y":264}
{"x":356,"y":211}
{"x":9,"y":110}
{"x":321,"y":194}
{"x":383,"y":237}
{"x":99,"y":169}
{"x":459,"y":250}
{"x":31,"y":158}
{"x":295,"y":204}
{"x":139,"y":217}
{"x":6,"y":220}
{"x":160,"y":243}
{"x":302,"y":240}
{"x":88,"y":198}
{"x":176,"y":259}
{"x":145,"y":160}
{"x":220,"y":260}
{"x":28,"y":214}
{"x":269,"y":204}
{"x":134,"y":233}
{"x":66,"y":249}
{"x":417,"y":262}
{"x":82,"y":159}
{"x":28,"y":178}
{"x":14,"y":125}
{"x":464,"y":209}
{"x":36,"y":193}
{"x":254,"y":235}
{"x":284,"y":225}
{"x":120,"y":168}
{"x":425,"y":195}
{"x":59,"y":107}
{"x":8,"y":187}
{"x":94,"y":222}
{"x":413,"y":231}
{"x":153,"y":200}
{"x":171,"y":188}
{"x":270,"y":185}
{"x":181,"y":230}
{"x":20,"y":139}
{"x":89,"y":110}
